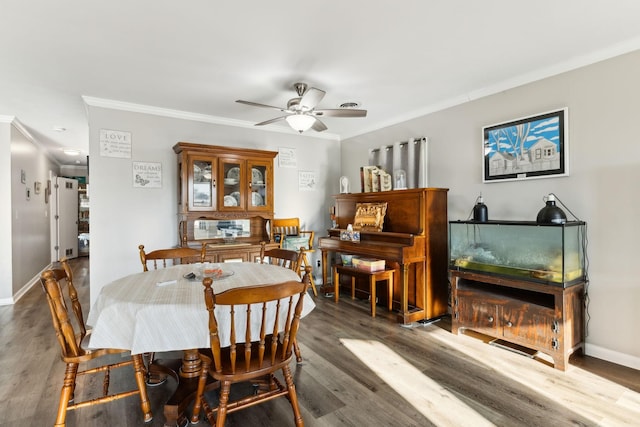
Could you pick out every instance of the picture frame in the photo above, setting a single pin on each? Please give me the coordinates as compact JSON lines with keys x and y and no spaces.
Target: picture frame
{"x":47,"y":191}
{"x":368,"y":178}
{"x":527,"y":148}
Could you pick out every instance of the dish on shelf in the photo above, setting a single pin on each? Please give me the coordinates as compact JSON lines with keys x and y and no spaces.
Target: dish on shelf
{"x":230,"y":201}
{"x":236,"y":196}
{"x":230,"y":181}
{"x":256,"y":176}
{"x":256,"y":199}
{"x":206,"y":173}
{"x":233,"y":173}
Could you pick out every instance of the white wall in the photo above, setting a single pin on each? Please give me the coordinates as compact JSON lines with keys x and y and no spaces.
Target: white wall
{"x":604,"y":150}
{"x":6,"y":275}
{"x":123,"y":217}
{"x":25,"y":222}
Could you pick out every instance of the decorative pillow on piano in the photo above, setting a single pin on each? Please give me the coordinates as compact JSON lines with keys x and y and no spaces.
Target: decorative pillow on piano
{"x":369,"y":216}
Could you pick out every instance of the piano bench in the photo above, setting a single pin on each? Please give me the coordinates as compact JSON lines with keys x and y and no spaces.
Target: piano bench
{"x":372,"y":277}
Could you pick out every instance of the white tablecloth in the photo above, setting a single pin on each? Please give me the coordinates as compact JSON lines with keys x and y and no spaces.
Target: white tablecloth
{"x":136,"y":314}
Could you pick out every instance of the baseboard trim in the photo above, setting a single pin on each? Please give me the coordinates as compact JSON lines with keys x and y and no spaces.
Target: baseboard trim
{"x":616,"y":357}
{"x":22,"y":291}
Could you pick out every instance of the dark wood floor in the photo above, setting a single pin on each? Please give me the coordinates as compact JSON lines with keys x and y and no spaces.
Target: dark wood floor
{"x":358,"y":371}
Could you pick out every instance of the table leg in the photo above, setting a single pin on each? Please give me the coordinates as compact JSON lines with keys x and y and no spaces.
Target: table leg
{"x":186,"y":372}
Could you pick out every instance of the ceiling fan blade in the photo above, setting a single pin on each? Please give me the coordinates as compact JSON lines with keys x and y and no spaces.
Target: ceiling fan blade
{"x":268,"y":122}
{"x":318,"y":126}
{"x":340,"y":112}
{"x":256,"y":104}
{"x":311,"y":98}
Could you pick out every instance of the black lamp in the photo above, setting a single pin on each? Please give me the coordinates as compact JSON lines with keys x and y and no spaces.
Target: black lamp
{"x":480,"y":211}
{"x":551,"y":214}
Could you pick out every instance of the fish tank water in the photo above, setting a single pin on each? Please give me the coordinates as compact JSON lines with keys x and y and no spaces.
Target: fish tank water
{"x":547,"y":253}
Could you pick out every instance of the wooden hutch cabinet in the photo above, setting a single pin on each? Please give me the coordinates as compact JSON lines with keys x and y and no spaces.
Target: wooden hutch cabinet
{"x":225,"y":199}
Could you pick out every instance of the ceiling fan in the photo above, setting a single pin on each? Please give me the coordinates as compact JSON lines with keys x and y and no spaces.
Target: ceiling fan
{"x":301,"y":112}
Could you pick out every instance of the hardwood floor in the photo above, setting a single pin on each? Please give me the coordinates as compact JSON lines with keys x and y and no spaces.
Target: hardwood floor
{"x":357,"y":371}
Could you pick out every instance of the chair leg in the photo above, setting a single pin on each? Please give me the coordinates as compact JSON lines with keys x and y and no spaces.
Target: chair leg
{"x":336,"y":285}
{"x":353,"y":287}
{"x":305,"y":263}
{"x":138,"y":366}
{"x":225,"y":387}
{"x":296,"y":350}
{"x":202,"y":382}
{"x":293,"y":397}
{"x":313,"y":285}
{"x":66,"y":394}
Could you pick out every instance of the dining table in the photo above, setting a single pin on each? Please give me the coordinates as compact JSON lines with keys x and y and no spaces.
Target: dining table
{"x":164,"y":310}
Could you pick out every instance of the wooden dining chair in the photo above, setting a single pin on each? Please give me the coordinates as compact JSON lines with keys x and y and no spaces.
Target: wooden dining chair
{"x":73,"y":339}
{"x":288,"y":259}
{"x":255,"y":353}
{"x":166,"y":257}
{"x":289,"y":234}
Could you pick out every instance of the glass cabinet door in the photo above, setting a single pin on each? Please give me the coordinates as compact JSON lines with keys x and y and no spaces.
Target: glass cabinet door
{"x":233,"y":184}
{"x":260,"y":196}
{"x":202,"y":188}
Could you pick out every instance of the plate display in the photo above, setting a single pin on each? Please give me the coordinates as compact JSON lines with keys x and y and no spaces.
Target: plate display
{"x":236,"y":195}
{"x":230,"y":201}
{"x":230,"y":181}
{"x":256,"y":176}
{"x":256,"y":199}
{"x":233,"y":173}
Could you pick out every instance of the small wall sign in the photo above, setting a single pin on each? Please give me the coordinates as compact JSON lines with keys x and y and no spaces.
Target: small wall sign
{"x":306,"y":181}
{"x":147,"y":175}
{"x":287,"y":158}
{"x":115,"y":143}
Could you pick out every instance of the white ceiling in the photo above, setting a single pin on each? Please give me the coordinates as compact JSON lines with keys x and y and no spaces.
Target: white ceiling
{"x":398,"y":59}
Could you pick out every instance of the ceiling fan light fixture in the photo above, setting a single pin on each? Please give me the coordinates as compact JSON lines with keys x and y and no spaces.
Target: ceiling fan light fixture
{"x":300,"y":122}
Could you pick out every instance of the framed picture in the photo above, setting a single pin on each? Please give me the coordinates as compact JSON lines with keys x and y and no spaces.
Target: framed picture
{"x":526,"y":148}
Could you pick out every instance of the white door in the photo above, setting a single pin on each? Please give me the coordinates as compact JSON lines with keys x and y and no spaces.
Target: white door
{"x":67,"y":218}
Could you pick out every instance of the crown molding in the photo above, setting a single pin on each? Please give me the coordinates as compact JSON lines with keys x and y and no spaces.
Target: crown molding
{"x":196,"y":117}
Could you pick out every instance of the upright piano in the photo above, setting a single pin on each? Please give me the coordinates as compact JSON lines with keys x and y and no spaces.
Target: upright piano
{"x":413,"y":241}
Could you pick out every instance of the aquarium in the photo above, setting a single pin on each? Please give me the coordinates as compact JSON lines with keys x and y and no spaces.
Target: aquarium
{"x":547,"y":253}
